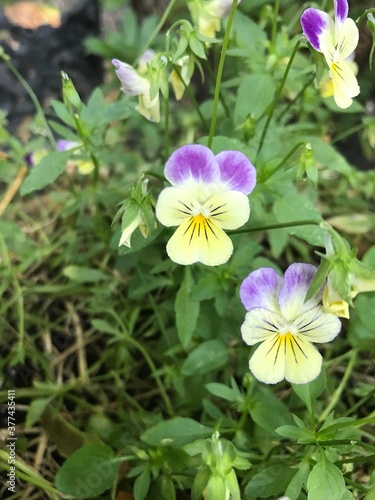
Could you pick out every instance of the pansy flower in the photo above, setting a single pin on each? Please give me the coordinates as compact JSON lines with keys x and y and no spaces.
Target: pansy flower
{"x":285,"y":324}
{"x":207,"y":15}
{"x":208,"y":194}
{"x":336,"y":40}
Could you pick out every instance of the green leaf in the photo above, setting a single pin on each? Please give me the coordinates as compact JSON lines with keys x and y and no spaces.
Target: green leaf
{"x":176,"y":432}
{"x":318,"y":279}
{"x":36,"y":410}
{"x":82,"y":274}
{"x":269,"y":481}
{"x":46,"y":172}
{"x":187,"y":310}
{"x":104,"y":326}
{"x":325,"y":477}
{"x":224,"y":392}
{"x":310,"y":392}
{"x":87,"y":473}
{"x":268,"y":411}
{"x":142,"y":485}
{"x":294,"y":488}
{"x":210,"y":355}
{"x":64,"y":115}
{"x":303,"y":436}
{"x":255,"y":94}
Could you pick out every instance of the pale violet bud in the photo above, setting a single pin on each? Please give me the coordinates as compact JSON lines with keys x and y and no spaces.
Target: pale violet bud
{"x":132,"y":83}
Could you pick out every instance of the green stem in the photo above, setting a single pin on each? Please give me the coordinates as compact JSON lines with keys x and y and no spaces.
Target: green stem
{"x":283,"y":161}
{"x":157,"y":29}
{"x":34,"y":99}
{"x":277,"y":96}
{"x":154,"y":174}
{"x":337,"y":394}
{"x":192,"y":98}
{"x":348,"y":132}
{"x":166,"y":132}
{"x":221,"y":96}
{"x":281,"y":225}
{"x":290,"y":104}
{"x":220,"y":73}
{"x":18,"y":291}
{"x":274,"y":22}
{"x":153,"y":369}
{"x":364,"y":14}
{"x":96,"y":169}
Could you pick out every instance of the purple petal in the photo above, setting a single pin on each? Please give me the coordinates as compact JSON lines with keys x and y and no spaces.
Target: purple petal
{"x":237,"y":171}
{"x":260,"y":289}
{"x":314,"y":23}
{"x":63,"y":145}
{"x":297,"y":280}
{"x":341,"y":10}
{"x":192,"y":162}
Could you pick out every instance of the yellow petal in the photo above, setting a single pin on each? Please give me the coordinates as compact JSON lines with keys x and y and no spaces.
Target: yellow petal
{"x":345,"y":84}
{"x":199,"y":239}
{"x":174,"y":205}
{"x":303,"y":362}
{"x":268,"y":362}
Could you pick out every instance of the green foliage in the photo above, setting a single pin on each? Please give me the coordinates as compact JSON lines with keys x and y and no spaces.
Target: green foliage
{"x":130,"y":372}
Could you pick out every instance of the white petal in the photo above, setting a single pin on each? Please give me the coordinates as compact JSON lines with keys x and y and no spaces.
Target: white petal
{"x":129,"y":230}
{"x":303,"y":362}
{"x":347,"y":38}
{"x":174,"y":205}
{"x":260,"y":324}
{"x":268,"y":362}
{"x":149,"y":108}
{"x":199,"y":240}
{"x":317,"y":326}
{"x":229,"y":210}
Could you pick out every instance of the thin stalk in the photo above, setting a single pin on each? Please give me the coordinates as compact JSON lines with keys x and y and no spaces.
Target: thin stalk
{"x":152,"y":366}
{"x":17,"y":289}
{"x":284,"y":160}
{"x":220,"y":72}
{"x":290,"y":104}
{"x":157,"y":29}
{"x":277,"y":96}
{"x":166,"y":132}
{"x":192,"y":98}
{"x":221,"y":96}
{"x":347,"y":133}
{"x":154,"y":174}
{"x":281,"y":225}
{"x":337,"y":394}
{"x":34,"y":99}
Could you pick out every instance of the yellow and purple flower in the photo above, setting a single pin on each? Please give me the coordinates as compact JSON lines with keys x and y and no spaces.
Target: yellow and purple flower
{"x":337,"y":41}
{"x":208,"y":194}
{"x":285,"y":324}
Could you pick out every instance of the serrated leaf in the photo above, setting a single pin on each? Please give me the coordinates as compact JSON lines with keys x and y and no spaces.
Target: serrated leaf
{"x":255,"y":94}
{"x":325,"y":477}
{"x":269,"y":481}
{"x":46,"y":172}
{"x":176,"y":432}
{"x":210,"y":355}
{"x":87,"y":473}
{"x":186,"y":309}
{"x":303,"y":436}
